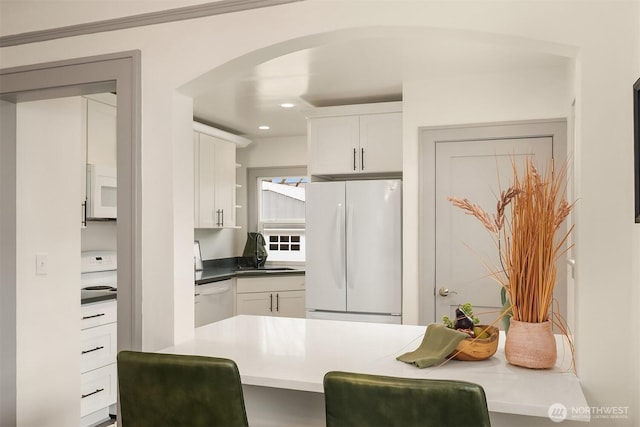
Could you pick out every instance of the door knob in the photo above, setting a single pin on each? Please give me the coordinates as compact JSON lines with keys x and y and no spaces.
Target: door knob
{"x":445,"y":292}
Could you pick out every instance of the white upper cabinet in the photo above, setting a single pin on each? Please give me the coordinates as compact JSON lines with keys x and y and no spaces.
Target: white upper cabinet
{"x":99,"y":148}
{"x":215,"y":177}
{"x":354,"y":139}
{"x":101,"y":130}
{"x":381,"y":142}
{"x":334,"y":144}
{"x":215,"y":182}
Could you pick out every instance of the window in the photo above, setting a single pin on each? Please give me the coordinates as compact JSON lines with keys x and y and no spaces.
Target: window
{"x":281,"y":216}
{"x":276,"y":199}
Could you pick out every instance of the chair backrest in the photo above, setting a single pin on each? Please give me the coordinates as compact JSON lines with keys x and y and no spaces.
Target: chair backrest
{"x":370,"y":400}
{"x":176,"y":390}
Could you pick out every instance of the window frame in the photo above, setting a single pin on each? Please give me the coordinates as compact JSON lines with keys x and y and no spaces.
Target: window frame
{"x":253,"y":202}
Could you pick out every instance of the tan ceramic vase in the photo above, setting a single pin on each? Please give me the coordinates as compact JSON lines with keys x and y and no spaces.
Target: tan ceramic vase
{"x":530,"y":345}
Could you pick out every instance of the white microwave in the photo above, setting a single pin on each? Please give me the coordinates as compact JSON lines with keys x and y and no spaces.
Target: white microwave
{"x":102,"y":192}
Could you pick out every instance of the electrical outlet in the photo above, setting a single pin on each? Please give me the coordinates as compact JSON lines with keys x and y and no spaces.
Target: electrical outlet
{"x":41,"y":264}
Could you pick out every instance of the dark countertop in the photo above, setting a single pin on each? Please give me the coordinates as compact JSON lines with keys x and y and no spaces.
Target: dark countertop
{"x":87,"y":297}
{"x":215,"y":270}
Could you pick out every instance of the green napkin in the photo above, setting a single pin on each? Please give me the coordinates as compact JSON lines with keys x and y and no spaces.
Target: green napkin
{"x":438,"y":343}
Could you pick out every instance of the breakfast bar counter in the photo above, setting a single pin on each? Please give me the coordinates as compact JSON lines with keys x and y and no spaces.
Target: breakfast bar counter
{"x":282,"y":362}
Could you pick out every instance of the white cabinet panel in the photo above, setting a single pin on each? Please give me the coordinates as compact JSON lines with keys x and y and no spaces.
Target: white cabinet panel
{"x":101,"y":133}
{"x":225,"y":179}
{"x":215,"y":182}
{"x":98,"y":388}
{"x":293,"y":282}
{"x":99,"y":313}
{"x":98,"y":350}
{"x":355,"y":143}
{"x":381,"y":142}
{"x":98,"y":346}
{"x":214,"y":301}
{"x":334,"y":145}
{"x":257,"y":303}
{"x":271,"y":296}
{"x":290,"y":304}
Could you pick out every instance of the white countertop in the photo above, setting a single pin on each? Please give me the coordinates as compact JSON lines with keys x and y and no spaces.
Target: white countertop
{"x":295,"y":354}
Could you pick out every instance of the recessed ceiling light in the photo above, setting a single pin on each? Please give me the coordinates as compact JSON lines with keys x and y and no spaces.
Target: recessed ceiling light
{"x":264,"y":127}
{"x":287,"y":105}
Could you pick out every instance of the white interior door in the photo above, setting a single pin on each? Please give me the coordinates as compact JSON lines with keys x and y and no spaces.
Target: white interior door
{"x":477,"y":170}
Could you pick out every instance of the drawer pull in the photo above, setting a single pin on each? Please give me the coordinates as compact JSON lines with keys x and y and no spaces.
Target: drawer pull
{"x":93,"y":349}
{"x":92,"y":393}
{"x":91,"y":317}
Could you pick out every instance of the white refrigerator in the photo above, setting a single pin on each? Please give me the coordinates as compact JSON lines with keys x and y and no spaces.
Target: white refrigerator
{"x":354,"y":250}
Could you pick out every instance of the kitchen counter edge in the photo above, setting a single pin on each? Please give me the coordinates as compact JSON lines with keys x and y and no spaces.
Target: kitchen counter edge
{"x":217,"y":274}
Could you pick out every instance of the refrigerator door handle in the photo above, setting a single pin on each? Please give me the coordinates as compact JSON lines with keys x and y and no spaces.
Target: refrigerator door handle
{"x":350,"y":247}
{"x":340,"y":238}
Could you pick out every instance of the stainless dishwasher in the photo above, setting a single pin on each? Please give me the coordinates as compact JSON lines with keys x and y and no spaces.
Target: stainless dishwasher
{"x":214,"y":301}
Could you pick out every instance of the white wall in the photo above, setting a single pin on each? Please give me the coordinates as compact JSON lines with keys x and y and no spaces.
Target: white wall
{"x":602,"y":36}
{"x":274,"y":152}
{"x":20,"y":16}
{"x":48,"y":221}
{"x":99,"y":235}
{"x":216,"y":243}
{"x":264,"y":152}
{"x":459,"y":99}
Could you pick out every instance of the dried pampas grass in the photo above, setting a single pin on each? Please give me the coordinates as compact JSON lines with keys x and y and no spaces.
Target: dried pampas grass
{"x":528,"y":216}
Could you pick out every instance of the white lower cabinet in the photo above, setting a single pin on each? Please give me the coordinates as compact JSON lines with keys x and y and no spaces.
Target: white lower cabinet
{"x":271,"y":296}
{"x":98,"y":350}
{"x":99,"y":389}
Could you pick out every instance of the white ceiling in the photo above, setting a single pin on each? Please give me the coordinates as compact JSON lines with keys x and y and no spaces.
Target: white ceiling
{"x":348,"y":72}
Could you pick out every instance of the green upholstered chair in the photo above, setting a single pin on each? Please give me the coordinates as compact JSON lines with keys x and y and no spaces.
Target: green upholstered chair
{"x":175,"y":390}
{"x":370,"y":400}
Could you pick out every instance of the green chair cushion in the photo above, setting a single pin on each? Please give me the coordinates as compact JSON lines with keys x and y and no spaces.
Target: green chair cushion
{"x":176,"y":390}
{"x":358,"y":400}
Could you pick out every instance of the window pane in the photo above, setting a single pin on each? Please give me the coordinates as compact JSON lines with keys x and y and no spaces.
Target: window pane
{"x":282,"y":199}
{"x":282,"y":216}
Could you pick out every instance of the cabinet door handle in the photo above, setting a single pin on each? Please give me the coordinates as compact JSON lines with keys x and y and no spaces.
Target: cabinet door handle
{"x":222,"y":222}
{"x":362,"y":158}
{"x":91,"y":317}
{"x":277,"y":302}
{"x":354,"y":159}
{"x":270,"y":302}
{"x":92,"y":393}
{"x":84,"y":213}
{"x":93,"y":349}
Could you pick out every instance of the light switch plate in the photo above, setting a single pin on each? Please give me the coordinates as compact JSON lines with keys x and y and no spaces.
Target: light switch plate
{"x":41,"y":264}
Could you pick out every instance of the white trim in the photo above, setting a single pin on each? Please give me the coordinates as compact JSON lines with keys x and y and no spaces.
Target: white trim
{"x":240,"y":141}
{"x":356,"y":109}
{"x":152,"y":18}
